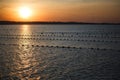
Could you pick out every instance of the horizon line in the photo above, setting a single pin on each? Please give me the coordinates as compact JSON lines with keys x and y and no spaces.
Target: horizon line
{"x":52,"y":22}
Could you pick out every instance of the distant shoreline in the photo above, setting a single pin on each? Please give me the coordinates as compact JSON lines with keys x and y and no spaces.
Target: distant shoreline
{"x":77,"y":23}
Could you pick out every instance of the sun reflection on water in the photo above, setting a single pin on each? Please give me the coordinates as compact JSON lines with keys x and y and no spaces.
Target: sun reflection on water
{"x":25,"y":31}
{"x":26,"y":54}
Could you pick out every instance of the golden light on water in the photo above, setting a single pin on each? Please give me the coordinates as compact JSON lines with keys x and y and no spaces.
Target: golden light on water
{"x":26,"y":53}
{"x":24,"y":31}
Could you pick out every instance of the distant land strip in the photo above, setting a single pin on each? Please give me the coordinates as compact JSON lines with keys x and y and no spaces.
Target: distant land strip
{"x":38,"y":22}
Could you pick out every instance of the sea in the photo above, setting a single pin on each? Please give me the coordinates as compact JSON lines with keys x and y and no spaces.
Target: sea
{"x":60,"y":52}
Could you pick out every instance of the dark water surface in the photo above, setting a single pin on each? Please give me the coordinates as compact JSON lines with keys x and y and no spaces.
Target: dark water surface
{"x":59,"y":52}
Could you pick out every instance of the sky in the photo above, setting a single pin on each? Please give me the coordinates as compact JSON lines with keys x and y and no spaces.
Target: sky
{"x":63,"y":10}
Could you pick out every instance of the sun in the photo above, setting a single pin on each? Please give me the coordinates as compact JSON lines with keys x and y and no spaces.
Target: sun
{"x":24,"y":12}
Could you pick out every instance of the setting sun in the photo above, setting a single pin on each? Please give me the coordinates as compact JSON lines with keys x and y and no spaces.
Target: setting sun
{"x":24,"y":12}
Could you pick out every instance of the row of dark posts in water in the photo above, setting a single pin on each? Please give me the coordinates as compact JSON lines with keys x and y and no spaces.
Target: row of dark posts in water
{"x":80,"y":32}
{"x":61,"y":39}
{"x":68,"y":47}
{"x":78,"y":36}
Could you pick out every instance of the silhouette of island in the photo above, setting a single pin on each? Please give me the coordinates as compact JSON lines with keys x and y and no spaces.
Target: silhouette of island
{"x":38,"y":22}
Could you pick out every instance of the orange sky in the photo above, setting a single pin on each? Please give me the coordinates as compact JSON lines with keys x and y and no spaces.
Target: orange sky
{"x":63,"y":10}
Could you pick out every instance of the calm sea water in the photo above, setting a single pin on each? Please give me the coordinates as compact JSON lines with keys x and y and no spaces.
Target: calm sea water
{"x":59,"y":52}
